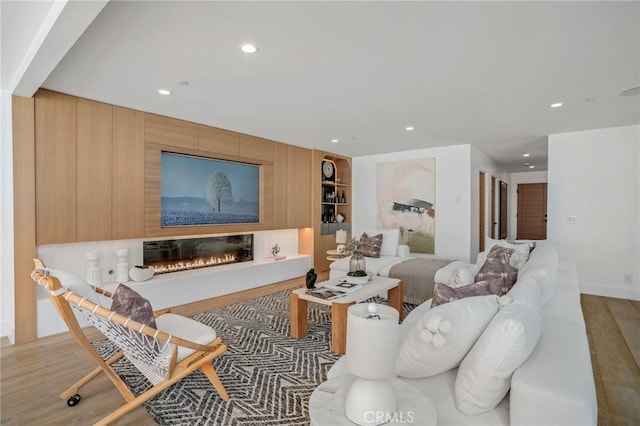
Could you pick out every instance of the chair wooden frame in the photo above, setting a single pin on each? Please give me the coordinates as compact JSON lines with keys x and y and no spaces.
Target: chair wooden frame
{"x":200,"y":359}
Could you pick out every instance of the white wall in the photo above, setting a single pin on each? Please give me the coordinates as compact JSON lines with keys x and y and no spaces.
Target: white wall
{"x":6,"y":218}
{"x":595,"y":176}
{"x":452,"y":203}
{"x":481,"y":163}
{"x":515,"y":179}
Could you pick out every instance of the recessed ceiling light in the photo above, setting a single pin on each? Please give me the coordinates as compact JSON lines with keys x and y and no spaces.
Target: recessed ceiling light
{"x":334,"y":140}
{"x":248,"y":48}
{"x":556,"y":105}
{"x":532,"y":166}
{"x":527,"y":164}
{"x":409,"y":128}
{"x":525,"y":154}
{"x":164,"y":92}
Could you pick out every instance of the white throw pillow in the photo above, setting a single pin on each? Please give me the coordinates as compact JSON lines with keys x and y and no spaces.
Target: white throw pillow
{"x":484,"y":376}
{"x":79,"y":286}
{"x":390,"y":240}
{"x":443,"y":337}
{"x":518,"y":258}
{"x":462,"y":277}
{"x":482,"y":257}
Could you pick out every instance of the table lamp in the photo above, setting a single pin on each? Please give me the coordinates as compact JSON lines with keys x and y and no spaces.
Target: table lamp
{"x":372,"y":332}
{"x":341,"y":240}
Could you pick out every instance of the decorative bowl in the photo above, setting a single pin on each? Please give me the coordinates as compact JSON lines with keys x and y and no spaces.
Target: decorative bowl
{"x":357,"y":279}
{"x":141,"y":273}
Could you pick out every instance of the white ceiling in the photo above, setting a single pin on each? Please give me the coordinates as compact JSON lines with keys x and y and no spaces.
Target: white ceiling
{"x":482,"y":73}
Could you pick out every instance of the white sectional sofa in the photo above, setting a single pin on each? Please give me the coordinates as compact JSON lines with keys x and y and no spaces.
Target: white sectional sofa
{"x":554,"y":384}
{"x":391,"y":253}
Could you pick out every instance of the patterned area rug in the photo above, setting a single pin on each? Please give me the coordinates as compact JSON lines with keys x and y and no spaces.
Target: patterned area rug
{"x":268,"y":375}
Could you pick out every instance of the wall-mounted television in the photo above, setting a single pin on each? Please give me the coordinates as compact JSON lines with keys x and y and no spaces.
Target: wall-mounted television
{"x":204,"y":191}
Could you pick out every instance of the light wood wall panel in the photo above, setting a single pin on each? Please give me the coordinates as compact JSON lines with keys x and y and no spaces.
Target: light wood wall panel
{"x":281,"y":195}
{"x":24,"y":218}
{"x":55,"y":121}
{"x":170,"y":131}
{"x":218,"y":141}
{"x":258,"y":148}
{"x":94,"y":168}
{"x":128,"y":174}
{"x":299,"y":187}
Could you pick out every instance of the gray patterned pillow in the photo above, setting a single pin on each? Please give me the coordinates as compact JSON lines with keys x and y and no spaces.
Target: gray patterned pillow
{"x":370,"y":246}
{"x":501,"y":254}
{"x":442,"y":293}
{"x":497,"y":286}
{"x":494,"y":269}
{"x":129,"y":303}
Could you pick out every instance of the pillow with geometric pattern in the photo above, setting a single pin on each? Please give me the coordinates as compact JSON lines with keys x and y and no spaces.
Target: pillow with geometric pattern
{"x":518,"y":257}
{"x":129,"y":303}
{"x":370,"y":246}
{"x":494,"y":269}
{"x":442,"y":293}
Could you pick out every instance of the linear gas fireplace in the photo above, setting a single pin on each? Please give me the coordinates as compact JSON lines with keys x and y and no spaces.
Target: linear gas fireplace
{"x":191,"y":253}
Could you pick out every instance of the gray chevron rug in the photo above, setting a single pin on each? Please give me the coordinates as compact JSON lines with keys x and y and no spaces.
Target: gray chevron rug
{"x":268,"y":375}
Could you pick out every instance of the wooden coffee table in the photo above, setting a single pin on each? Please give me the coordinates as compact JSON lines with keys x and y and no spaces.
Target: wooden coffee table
{"x":299,"y":298}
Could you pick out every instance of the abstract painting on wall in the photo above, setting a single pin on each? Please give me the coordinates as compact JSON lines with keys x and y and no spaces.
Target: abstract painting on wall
{"x":406,"y":200}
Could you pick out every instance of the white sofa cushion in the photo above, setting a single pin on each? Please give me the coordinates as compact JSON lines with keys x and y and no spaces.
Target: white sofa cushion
{"x":484,"y":376}
{"x":462,"y":277}
{"x":443,"y":337}
{"x":440,"y":391}
{"x":543,"y":267}
{"x":390,"y":240}
{"x":555,"y":386}
{"x":565,"y":303}
{"x":443,"y":275}
{"x":375,"y":265}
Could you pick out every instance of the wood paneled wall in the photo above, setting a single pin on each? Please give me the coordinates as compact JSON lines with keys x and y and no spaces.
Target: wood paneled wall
{"x":56,"y":167}
{"x":82,"y":174}
{"x":127,"y":197}
{"x":24,"y":217}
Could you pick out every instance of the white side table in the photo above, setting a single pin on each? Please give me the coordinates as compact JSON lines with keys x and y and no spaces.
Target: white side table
{"x":326,"y":405}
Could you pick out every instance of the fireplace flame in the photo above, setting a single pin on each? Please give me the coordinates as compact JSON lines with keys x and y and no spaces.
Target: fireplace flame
{"x":201,"y":262}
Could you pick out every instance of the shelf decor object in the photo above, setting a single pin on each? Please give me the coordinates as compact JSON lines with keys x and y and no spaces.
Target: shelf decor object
{"x":371,"y":357}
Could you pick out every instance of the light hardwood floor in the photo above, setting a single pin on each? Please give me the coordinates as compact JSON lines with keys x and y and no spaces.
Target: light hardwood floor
{"x":33,"y":374}
{"x":613,"y":327}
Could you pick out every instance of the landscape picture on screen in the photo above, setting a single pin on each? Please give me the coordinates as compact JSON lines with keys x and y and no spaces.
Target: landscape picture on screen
{"x":203,"y":191}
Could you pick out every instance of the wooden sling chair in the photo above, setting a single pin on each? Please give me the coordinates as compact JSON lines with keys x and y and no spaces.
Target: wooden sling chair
{"x":165,"y":355}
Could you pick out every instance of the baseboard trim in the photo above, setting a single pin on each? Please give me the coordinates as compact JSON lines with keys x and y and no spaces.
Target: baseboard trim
{"x":7,"y":329}
{"x":610,"y":291}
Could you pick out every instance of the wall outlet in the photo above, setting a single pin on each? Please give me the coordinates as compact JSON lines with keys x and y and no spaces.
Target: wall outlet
{"x":572,"y":220}
{"x":627,"y":278}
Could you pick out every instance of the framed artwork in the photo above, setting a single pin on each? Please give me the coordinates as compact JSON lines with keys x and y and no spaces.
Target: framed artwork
{"x":406,"y":199}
